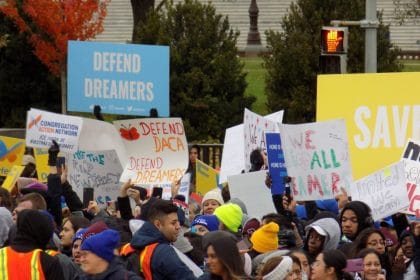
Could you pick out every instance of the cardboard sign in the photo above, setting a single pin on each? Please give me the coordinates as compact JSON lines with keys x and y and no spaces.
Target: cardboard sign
{"x":254,"y":138}
{"x":124,"y":79}
{"x":12,"y":177}
{"x":251,"y":189}
{"x":411,"y":159}
{"x":100,"y":170}
{"x":42,"y":168}
{"x":384,"y":191}
{"x":317,"y":158}
{"x":233,"y":157}
{"x":276,"y":164}
{"x":42,"y":127}
{"x":157,"y":150}
{"x":11,"y":153}
{"x":206,"y":177}
{"x":101,"y":136}
{"x":381,"y":111}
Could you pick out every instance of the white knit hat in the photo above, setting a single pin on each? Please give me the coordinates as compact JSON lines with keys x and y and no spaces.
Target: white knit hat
{"x":213,"y":194}
{"x":281,"y":270}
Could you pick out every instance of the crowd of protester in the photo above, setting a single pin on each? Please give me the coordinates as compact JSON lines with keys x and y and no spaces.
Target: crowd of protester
{"x":47,"y":233}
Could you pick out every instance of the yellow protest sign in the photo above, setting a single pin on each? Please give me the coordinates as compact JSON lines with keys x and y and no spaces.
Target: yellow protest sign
{"x":12,"y":177}
{"x":11,"y":153}
{"x":206,"y":177}
{"x":382,"y":111}
{"x":41,"y":159}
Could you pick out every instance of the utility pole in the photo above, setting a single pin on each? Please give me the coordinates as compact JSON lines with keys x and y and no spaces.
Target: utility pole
{"x":370,"y":24}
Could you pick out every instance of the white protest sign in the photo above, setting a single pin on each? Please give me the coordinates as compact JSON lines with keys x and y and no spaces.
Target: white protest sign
{"x":100,"y":170}
{"x":384,"y":191}
{"x":233,"y":158}
{"x":251,"y":189}
{"x":42,"y":127}
{"x":411,"y":159}
{"x":101,"y":136}
{"x":157,"y":150}
{"x":184,"y":189}
{"x":317,"y":158}
{"x":255,"y":127}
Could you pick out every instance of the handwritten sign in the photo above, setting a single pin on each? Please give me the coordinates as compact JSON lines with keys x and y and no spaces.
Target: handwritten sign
{"x":317,"y":158}
{"x":233,"y":157}
{"x":12,"y":177}
{"x":100,"y":170}
{"x":101,"y":136}
{"x":251,"y":189}
{"x":411,"y":159}
{"x":254,"y":138}
{"x":42,"y":127}
{"x":11,"y":153}
{"x":276,"y":164}
{"x":125,"y":79}
{"x":157,"y":150}
{"x":384,"y":191}
{"x":206,"y":177}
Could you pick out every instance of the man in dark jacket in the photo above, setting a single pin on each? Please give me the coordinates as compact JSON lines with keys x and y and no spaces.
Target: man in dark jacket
{"x":154,"y":258}
{"x":21,"y":259}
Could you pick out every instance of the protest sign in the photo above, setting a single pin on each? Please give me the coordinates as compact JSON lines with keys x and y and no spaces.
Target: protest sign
{"x":317,"y":158}
{"x":124,"y":79}
{"x":100,"y":170}
{"x":206,"y":178}
{"x":101,"y":136}
{"x":157,"y":150}
{"x":411,"y":159}
{"x":381,"y":110}
{"x":251,"y":189}
{"x":384,"y":191}
{"x":276,"y":164}
{"x":233,"y":157}
{"x":254,"y":137}
{"x":42,"y":127}
{"x":184,"y":189}
{"x":12,"y":177}
{"x":41,"y":159}
{"x":11,"y":153}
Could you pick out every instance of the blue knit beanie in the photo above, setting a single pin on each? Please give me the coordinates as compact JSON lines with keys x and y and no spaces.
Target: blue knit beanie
{"x":101,"y":241}
{"x":209,"y":221}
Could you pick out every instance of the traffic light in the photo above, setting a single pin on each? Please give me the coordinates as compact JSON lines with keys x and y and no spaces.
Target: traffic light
{"x":333,"y":58}
{"x":334,"y":40}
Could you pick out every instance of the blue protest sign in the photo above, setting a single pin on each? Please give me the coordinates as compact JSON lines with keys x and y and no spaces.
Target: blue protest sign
{"x":276,"y":164}
{"x":124,"y":79}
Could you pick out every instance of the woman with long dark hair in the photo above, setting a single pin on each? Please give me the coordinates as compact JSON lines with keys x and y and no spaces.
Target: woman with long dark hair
{"x":223,"y":259}
{"x":374,"y":239}
{"x":329,"y":265}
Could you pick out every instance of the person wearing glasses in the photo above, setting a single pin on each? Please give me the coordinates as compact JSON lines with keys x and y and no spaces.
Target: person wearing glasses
{"x":373,"y":239}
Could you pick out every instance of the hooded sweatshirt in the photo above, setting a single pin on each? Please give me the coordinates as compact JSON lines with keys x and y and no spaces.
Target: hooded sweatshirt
{"x":34,"y":230}
{"x":331,"y":232}
{"x":165,"y":263}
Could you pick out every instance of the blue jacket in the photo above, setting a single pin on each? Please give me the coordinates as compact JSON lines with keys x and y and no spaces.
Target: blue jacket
{"x":165,"y":263}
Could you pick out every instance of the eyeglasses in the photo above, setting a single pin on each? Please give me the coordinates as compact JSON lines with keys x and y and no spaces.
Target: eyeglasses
{"x":375,"y":243}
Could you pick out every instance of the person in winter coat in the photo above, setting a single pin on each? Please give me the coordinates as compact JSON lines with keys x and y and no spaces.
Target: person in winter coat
{"x":25,"y":259}
{"x":152,"y":250}
{"x":321,"y":235}
{"x":97,"y":256}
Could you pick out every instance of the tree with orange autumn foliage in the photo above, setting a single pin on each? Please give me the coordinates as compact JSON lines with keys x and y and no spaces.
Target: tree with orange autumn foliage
{"x":50,"y":24}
